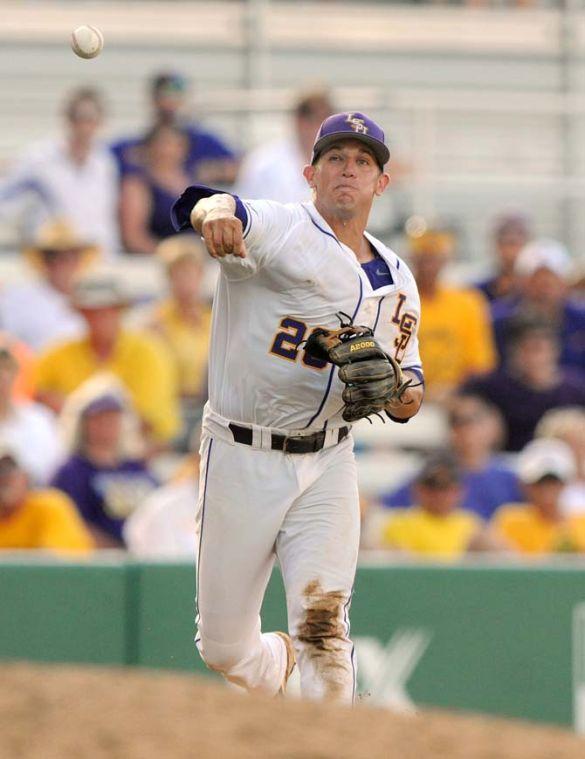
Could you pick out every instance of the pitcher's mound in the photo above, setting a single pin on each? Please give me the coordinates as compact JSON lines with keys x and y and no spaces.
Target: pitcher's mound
{"x":50,"y":712}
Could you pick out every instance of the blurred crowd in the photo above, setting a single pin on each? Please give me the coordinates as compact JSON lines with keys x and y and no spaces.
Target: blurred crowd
{"x":101,"y":396}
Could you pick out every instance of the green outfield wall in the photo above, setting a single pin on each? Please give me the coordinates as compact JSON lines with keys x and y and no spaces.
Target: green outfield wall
{"x":506,"y":640}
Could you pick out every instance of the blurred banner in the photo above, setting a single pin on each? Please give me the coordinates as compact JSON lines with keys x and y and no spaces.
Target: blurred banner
{"x":483,"y":638}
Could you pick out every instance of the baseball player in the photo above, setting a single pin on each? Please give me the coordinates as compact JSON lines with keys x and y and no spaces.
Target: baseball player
{"x":314,"y":326}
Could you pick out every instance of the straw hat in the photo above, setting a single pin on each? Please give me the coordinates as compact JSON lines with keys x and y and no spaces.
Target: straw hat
{"x":180,"y":248}
{"x":99,"y":288}
{"x":57,"y":236}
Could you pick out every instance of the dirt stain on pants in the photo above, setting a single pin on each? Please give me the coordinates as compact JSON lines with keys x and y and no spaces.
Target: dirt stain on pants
{"x":323,"y":633}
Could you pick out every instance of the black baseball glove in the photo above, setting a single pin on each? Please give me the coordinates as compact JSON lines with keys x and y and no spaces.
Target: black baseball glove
{"x":372,"y":378}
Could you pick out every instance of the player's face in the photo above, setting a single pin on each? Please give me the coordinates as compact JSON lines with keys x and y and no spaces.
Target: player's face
{"x":346,"y":178}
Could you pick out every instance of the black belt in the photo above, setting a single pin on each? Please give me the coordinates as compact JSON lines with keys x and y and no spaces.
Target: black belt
{"x":294,"y":444}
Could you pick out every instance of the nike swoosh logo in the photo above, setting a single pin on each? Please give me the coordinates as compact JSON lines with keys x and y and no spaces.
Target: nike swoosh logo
{"x":382,"y":273}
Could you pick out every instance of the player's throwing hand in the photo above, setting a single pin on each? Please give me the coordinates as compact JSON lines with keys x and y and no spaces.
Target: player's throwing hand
{"x":214,"y":218}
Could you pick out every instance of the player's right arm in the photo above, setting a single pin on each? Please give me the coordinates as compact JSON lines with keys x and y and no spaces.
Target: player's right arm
{"x":216,"y":221}
{"x":245,"y":235}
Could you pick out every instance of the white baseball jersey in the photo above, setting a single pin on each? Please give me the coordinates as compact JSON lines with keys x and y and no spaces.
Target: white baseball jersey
{"x":297,"y":276}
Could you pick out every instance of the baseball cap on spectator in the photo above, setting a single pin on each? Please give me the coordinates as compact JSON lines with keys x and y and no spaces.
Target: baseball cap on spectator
{"x":511,"y":224}
{"x":105,"y":402}
{"x":543,"y":254}
{"x":168,"y":80}
{"x":357,"y":126}
{"x":99,"y":289}
{"x":523,"y":326}
{"x":439,"y":472}
{"x":437,"y":241}
{"x":542,"y":459}
{"x":57,"y":236}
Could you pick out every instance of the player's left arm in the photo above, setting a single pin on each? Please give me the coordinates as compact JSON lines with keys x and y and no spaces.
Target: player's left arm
{"x":410,"y":401}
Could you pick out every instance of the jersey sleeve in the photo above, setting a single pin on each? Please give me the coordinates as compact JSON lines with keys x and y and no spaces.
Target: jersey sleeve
{"x":408,"y":326}
{"x":266,"y":227}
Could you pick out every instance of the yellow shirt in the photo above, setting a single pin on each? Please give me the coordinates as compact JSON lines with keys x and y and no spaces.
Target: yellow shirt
{"x":417,"y":531}
{"x":455,"y":336}
{"x":188,"y":345}
{"x":525,"y":529}
{"x":47,"y":519}
{"x":138,"y":360}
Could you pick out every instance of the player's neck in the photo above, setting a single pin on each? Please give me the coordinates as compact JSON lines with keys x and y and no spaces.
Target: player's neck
{"x":351,"y":233}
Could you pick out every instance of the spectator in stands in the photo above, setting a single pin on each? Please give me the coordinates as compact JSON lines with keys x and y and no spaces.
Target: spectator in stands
{"x":164,"y":525}
{"x":530,"y":383}
{"x":105,"y":473}
{"x":476,"y":431}
{"x":538,"y":526}
{"x":274,"y":170}
{"x":437,"y":526}
{"x":568,"y":425}
{"x":455,"y":333}
{"x":28,"y":428}
{"x":148,"y":193}
{"x":183,"y":321}
{"x":38,"y":310}
{"x":543,"y":268}
{"x":208,"y":160}
{"x":45,"y":519}
{"x":73,"y":177}
{"x":140,"y":361}
{"x":511,"y":234}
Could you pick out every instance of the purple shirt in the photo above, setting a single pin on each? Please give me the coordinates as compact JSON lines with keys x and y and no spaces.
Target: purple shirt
{"x":203,"y":146}
{"x":522,"y":407}
{"x":571,"y":331}
{"x":105,"y":496}
{"x":483,"y":491}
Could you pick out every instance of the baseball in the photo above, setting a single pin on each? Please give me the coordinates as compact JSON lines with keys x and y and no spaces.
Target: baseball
{"x":87,"y":41}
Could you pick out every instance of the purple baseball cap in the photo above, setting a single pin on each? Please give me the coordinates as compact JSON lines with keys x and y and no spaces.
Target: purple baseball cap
{"x":352,"y":125}
{"x":104,"y":402}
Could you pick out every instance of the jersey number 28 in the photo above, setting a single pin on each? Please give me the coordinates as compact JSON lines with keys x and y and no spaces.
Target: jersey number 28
{"x":287,"y":340}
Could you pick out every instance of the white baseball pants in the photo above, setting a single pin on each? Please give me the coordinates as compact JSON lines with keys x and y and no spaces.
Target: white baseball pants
{"x":256,"y":505}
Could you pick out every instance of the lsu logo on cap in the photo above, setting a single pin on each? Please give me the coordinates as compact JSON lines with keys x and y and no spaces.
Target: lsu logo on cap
{"x":358,"y":125}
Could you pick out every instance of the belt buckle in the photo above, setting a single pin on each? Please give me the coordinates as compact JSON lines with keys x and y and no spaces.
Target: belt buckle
{"x":295,"y":444}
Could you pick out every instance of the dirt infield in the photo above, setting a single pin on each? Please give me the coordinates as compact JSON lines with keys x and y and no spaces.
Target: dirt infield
{"x":82,"y":713}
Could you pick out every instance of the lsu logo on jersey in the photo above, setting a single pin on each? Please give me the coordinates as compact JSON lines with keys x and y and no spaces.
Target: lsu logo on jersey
{"x":406,"y":323}
{"x":358,"y":125}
